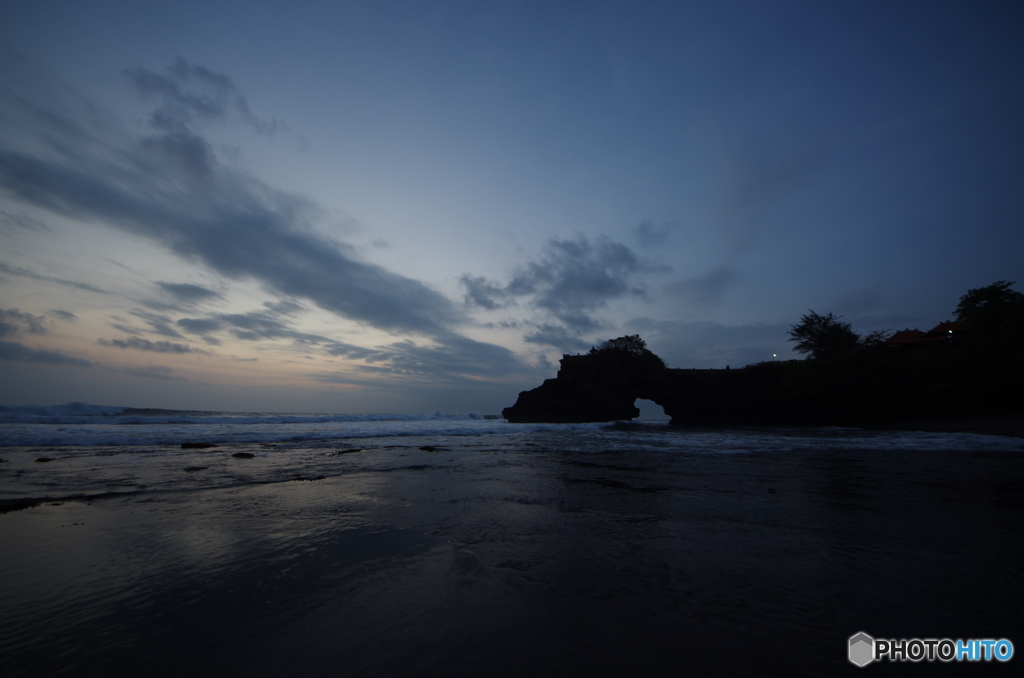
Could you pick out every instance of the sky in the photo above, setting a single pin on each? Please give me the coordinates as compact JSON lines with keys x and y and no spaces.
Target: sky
{"x":416,"y":206}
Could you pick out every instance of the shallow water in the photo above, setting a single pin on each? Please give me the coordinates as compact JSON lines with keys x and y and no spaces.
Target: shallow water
{"x":572,"y":551}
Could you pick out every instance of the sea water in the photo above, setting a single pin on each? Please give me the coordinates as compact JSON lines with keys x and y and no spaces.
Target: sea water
{"x":435,"y":545}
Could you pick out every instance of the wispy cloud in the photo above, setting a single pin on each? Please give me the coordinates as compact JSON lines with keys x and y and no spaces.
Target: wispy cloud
{"x":22,"y":221}
{"x":556,"y":336}
{"x":161,"y":324}
{"x":568,"y":280}
{"x":199,"y":326}
{"x":147,"y":345}
{"x":13,"y":351}
{"x":13,"y":321}
{"x":171,"y":188}
{"x":26,"y":273}
{"x":188,"y":293}
{"x":149,"y":372}
{"x":457,"y":360}
{"x":258,"y":325}
{"x":650,"y":235}
{"x":189,"y":92}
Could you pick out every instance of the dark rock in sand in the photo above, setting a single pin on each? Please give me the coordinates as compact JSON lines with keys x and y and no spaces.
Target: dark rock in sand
{"x":243,"y":455}
{"x":193,"y":469}
{"x":44,"y":459}
{"x":197,"y":446}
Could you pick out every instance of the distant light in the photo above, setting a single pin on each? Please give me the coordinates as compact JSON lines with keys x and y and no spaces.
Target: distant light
{"x":773,"y":355}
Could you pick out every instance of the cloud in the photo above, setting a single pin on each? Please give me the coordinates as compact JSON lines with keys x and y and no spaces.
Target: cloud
{"x":25,"y":273}
{"x":199,"y":325}
{"x":556,"y":336}
{"x":188,"y":293}
{"x":455,"y":360}
{"x":650,"y":235}
{"x":569,"y":279}
{"x":74,"y":160}
{"x":67,"y":316}
{"x":190,"y":92}
{"x":147,"y":345}
{"x":22,"y":221}
{"x":160,"y":324}
{"x":263,"y":325}
{"x":352,"y":352}
{"x":13,"y":351}
{"x":285,"y":307}
{"x":149,"y":372}
{"x":13,"y":321}
{"x":121,"y":327}
{"x":481,"y":292}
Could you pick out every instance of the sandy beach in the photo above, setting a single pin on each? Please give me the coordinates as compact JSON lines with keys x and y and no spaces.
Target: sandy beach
{"x":524,"y":561}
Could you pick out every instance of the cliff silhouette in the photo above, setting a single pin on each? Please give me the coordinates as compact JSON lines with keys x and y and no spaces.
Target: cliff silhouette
{"x":974,"y":367}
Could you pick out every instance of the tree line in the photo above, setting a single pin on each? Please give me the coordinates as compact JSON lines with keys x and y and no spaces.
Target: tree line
{"x":991,"y":315}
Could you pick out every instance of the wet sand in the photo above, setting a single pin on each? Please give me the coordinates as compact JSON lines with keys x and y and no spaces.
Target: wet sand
{"x":526,"y":562}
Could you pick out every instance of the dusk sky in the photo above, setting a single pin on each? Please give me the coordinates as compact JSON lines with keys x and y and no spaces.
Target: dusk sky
{"x":418,"y":206}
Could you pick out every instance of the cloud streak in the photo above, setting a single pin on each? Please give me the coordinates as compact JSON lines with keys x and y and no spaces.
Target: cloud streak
{"x":190,"y":92}
{"x":457,"y":361}
{"x":171,"y":188}
{"x":15,"y":352}
{"x":26,"y":273}
{"x":150,"y":372}
{"x":187,"y":293}
{"x":569,"y":280}
{"x":13,"y":321}
{"x":147,"y":345}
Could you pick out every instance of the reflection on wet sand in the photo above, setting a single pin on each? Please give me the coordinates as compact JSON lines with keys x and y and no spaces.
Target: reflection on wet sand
{"x":511,"y":562}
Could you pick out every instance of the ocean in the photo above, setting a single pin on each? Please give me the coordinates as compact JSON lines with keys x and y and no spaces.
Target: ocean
{"x":463,"y":545}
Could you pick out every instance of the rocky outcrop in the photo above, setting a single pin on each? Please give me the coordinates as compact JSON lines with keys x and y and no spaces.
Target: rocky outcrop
{"x":859,"y":391}
{"x":565,"y":401}
{"x":586,"y":389}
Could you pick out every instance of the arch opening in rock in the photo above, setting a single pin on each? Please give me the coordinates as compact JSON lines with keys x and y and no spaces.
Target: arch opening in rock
{"x":651,"y":410}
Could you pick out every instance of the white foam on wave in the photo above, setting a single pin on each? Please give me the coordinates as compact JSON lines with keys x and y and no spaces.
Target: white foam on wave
{"x":85,"y":413}
{"x":54,"y":413}
{"x":62,"y":427}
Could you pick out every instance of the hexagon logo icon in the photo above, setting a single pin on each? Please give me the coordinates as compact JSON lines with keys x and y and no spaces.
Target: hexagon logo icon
{"x":862,"y":649}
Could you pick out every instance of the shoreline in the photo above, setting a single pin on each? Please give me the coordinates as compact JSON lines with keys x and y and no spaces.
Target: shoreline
{"x":1009,"y":425}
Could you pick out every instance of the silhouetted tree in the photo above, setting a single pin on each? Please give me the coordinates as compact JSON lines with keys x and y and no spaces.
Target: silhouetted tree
{"x":823,"y":336}
{"x":629,"y":352}
{"x":994,"y":312}
{"x":875,"y":339}
{"x":630,"y":344}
